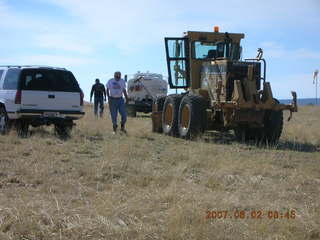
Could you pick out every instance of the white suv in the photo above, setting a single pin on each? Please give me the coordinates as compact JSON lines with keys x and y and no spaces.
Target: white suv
{"x":35,"y":95}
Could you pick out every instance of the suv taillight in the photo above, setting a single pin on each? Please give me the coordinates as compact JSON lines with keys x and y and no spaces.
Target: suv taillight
{"x":17,"y":99}
{"x":81,"y":98}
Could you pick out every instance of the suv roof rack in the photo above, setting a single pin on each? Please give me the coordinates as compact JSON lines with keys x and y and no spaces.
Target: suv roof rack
{"x":38,"y":66}
{"x":8,"y":66}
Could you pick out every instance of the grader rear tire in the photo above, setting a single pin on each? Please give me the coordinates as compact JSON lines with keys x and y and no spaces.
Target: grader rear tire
{"x":192,"y":116}
{"x":157,"y":115}
{"x":170,"y":115}
{"x":160,"y":102}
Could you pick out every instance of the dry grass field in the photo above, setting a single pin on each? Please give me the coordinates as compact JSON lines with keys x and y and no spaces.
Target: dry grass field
{"x":96,"y":185}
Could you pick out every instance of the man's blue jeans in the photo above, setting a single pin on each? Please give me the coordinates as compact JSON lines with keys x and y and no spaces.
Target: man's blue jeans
{"x":98,"y":101}
{"x":117,"y":105}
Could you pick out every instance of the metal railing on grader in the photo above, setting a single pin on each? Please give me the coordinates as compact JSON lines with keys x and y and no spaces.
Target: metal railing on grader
{"x":222,"y":92}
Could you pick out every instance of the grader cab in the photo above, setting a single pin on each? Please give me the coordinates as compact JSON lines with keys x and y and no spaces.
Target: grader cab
{"x":221,"y":91}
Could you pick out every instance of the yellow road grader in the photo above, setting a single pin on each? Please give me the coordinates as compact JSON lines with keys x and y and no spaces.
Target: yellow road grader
{"x":221,"y":91}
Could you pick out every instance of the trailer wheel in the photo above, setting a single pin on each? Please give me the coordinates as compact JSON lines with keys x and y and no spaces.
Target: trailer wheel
{"x":170,"y":115}
{"x":192,"y":116}
{"x":131,"y":111}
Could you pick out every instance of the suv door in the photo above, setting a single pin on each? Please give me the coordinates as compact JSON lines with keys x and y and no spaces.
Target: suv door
{"x":66,"y":90}
{"x":49,"y":89}
{"x":9,"y":89}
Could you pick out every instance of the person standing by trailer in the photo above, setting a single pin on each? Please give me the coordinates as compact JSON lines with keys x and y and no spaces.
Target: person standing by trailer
{"x":116,"y":88}
{"x":99,"y":92}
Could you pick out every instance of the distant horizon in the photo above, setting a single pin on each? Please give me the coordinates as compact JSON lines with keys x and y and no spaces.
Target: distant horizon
{"x":302,"y":101}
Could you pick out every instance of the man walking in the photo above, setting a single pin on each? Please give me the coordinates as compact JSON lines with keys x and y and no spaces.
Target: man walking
{"x":116,"y":88}
{"x":99,"y":92}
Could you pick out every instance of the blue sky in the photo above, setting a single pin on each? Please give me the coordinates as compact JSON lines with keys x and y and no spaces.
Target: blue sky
{"x":95,"y":38}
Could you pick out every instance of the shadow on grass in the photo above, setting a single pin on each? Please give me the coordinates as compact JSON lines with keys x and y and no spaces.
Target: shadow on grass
{"x":143,"y":116}
{"x":297,"y":146}
{"x":45,"y":132}
{"x":219,"y":137}
{"x":229,"y":138}
{"x":41,"y":131}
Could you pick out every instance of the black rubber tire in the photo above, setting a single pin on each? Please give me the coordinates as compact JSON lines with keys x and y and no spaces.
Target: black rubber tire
{"x":273,"y":125}
{"x":197,"y":116}
{"x":174,"y":100}
{"x":22,"y":128}
{"x":269,"y":134}
{"x":4,"y":121}
{"x":160,"y":102}
{"x":63,"y":130}
{"x":131,"y":111}
{"x":245,"y":134}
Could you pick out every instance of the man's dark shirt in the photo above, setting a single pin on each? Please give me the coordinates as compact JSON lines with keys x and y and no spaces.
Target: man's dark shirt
{"x":98,"y":90}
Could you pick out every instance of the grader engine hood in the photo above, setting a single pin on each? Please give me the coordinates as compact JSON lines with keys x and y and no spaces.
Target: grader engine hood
{"x":236,"y":84}
{"x":219,"y":77}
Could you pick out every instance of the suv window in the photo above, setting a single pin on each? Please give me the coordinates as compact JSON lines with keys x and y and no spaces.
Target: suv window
{"x":11,"y":80}
{"x":48,"y":80}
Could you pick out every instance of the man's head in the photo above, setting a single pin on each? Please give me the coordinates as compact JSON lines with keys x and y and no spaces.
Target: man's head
{"x":97,"y":80}
{"x":117,"y":75}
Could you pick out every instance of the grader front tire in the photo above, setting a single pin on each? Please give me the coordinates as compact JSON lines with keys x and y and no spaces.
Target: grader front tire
{"x":273,"y":125}
{"x":269,"y":134}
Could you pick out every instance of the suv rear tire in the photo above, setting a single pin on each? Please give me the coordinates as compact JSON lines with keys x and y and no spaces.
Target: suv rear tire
{"x":4,"y":121}
{"x":22,"y":128}
{"x":63,"y":129}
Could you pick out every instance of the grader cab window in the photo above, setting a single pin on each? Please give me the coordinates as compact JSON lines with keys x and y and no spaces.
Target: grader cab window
{"x":203,"y":50}
{"x":212,"y":50}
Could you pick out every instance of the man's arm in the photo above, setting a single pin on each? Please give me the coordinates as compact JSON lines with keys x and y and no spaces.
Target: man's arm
{"x":107,"y":91}
{"x":108,"y":94}
{"x":126,"y":95}
{"x":91,"y":93}
{"x":104,"y":92}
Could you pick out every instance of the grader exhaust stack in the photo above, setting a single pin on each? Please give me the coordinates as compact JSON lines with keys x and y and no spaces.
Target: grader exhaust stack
{"x":222,"y":92}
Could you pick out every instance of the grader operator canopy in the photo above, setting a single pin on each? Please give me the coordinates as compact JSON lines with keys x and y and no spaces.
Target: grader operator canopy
{"x":185,"y":55}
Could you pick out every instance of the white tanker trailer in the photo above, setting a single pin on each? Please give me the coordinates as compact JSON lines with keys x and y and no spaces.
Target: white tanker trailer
{"x":143,"y":89}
